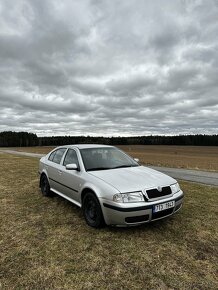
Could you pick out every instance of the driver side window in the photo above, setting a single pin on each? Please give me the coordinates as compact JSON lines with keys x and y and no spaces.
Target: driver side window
{"x":71,"y":157}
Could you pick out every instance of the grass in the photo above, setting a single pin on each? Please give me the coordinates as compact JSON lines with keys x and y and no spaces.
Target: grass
{"x":191,"y":157}
{"x":46,"y":244}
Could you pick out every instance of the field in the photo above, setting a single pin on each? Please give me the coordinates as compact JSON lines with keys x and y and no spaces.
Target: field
{"x":46,"y":244}
{"x":192,"y":157}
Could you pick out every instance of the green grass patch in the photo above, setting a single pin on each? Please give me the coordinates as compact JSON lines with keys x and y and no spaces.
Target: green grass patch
{"x":46,"y":244}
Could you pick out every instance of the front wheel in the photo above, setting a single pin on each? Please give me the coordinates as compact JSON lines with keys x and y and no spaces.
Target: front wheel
{"x":92,"y":211}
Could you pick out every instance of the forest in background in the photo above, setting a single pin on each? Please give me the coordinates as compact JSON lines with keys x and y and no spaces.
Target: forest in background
{"x":25,"y":139}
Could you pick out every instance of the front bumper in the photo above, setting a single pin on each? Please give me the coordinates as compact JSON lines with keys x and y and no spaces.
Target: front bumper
{"x":125,"y":214}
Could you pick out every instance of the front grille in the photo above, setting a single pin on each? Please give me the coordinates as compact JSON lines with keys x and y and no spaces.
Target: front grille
{"x":155,"y":193}
{"x":160,"y":214}
{"x":137,"y":219}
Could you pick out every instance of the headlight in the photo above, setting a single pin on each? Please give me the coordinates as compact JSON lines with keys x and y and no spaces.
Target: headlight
{"x":175,"y":188}
{"x":128,"y":197}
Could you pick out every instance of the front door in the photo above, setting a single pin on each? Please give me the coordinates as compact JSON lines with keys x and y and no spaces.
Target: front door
{"x":70,"y":179}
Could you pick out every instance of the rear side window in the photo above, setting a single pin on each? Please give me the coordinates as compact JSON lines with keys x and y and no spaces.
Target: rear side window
{"x":51,"y":156}
{"x":57,"y":155}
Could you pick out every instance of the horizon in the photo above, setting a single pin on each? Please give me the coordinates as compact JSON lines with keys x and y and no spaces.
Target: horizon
{"x":112,"y":136}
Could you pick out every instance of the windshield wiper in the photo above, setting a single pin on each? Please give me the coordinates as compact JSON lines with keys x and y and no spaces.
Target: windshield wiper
{"x":98,"y":168}
{"x":123,"y":166}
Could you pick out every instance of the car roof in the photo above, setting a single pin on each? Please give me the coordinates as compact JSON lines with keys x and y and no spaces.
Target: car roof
{"x":86,"y":146}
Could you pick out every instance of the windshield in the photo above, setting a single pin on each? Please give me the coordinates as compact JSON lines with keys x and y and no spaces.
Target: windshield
{"x":105,"y":158}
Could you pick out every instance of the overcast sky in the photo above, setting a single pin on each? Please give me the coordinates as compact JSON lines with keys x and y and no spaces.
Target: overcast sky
{"x":103,"y":67}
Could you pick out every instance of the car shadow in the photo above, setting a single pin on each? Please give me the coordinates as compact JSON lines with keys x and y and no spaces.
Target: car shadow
{"x":155,"y":226}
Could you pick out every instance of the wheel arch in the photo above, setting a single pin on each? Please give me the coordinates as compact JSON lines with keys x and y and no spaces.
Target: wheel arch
{"x":86,"y":190}
{"x":43,"y":173}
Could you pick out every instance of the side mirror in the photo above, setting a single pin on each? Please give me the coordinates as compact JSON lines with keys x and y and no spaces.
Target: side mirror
{"x":136,"y":159}
{"x":72,"y":166}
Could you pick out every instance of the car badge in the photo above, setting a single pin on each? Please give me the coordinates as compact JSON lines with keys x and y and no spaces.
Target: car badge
{"x":159,"y":189}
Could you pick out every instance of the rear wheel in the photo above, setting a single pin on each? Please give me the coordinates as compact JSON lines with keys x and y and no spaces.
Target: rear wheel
{"x":92,"y":211}
{"x":44,"y":185}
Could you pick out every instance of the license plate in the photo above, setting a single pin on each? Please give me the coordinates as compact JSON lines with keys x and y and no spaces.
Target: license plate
{"x":163,"y":206}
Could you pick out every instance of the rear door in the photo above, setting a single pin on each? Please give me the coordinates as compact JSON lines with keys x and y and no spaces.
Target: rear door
{"x":54,"y":168}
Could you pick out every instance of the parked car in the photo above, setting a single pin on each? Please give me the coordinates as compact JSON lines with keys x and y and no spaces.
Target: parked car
{"x":109,"y":186}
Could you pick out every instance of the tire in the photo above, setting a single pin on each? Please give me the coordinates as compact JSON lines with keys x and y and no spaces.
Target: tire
{"x":44,"y":185}
{"x":92,"y":211}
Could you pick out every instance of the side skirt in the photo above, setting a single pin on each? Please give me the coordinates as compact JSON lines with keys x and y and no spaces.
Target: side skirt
{"x":66,"y":197}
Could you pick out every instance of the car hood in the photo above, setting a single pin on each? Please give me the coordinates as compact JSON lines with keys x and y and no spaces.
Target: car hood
{"x":133,"y":178}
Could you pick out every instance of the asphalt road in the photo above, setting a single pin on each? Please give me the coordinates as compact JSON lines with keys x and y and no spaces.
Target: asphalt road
{"x":204,"y":177}
{"x":14,"y":152}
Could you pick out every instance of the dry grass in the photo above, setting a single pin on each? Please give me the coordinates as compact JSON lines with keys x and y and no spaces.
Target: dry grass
{"x":46,"y":244}
{"x":192,"y":157}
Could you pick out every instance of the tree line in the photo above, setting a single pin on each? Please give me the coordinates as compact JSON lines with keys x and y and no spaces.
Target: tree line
{"x":18,"y":139}
{"x":24,"y":139}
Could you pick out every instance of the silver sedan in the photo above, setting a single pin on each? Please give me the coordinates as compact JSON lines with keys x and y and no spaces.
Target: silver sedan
{"x":109,"y":186}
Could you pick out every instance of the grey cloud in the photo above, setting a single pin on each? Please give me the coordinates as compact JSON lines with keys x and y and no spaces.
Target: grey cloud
{"x":131,"y":83}
{"x":109,"y":67}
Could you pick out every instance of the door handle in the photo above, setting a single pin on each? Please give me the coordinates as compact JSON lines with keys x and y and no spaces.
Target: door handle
{"x":60,"y":171}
